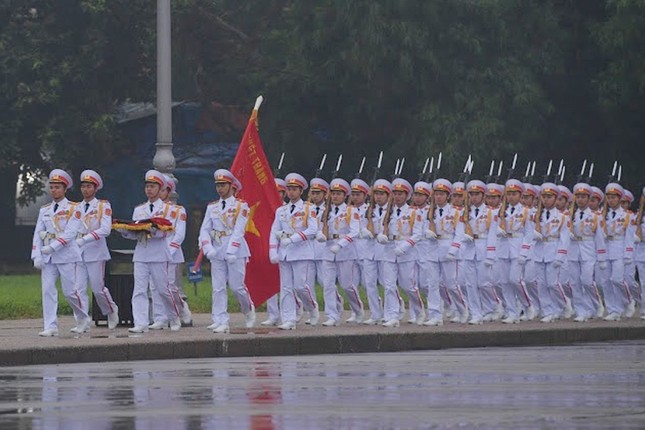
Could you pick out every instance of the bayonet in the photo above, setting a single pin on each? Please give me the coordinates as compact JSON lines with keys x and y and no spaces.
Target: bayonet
{"x":620,"y":172}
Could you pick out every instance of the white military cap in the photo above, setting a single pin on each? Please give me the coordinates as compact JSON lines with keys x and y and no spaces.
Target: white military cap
{"x":93,"y":178}
{"x":628,"y":196}
{"x":564,"y":192}
{"x":281,"y":184}
{"x":582,"y":188}
{"x":296,"y":180}
{"x":494,"y":189}
{"x":531,"y":189}
{"x":597,"y":192}
{"x":382,"y":185}
{"x":339,"y":184}
{"x":224,"y":176}
{"x":458,"y":187}
{"x":614,"y":188}
{"x":549,"y":188}
{"x":59,"y":176}
{"x":156,"y":177}
{"x":514,"y":185}
{"x":442,"y":185}
{"x":423,"y":187}
{"x":360,"y":185}
{"x":169,"y":183}
{"x":319,"y":184}
{"x":476,"y":186}
{"x":400,"y":184}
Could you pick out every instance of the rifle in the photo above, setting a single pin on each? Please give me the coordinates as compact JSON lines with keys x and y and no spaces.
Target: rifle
{"x":468,"y":168}
{"x":360,"y":169}
{"x":390,"y":200}
{"x":317,"y":174}
{"x":370,"y":209}
{"x":572,"y":205}
{"x":489,"y":178}
{"x":605,"y":206}
{"x":639,"y":218}
{"x":276,"y":171}
{"x":325,"y":216}
{"x":425,"y":168}
{"x":436,"y":171}
{"x":431,"y":207}
{"x":590,"y":175}
{"x":426,"y":177}
{"x":538,"y":212}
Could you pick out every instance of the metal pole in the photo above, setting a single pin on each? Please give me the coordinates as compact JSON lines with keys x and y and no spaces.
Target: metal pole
{"x":164,"y":160}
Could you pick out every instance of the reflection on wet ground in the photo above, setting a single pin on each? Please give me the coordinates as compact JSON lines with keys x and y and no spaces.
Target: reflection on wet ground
{"x":589,"y":386}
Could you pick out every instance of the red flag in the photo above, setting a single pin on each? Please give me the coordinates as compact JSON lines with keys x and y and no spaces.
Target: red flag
{"x":252,"y":169}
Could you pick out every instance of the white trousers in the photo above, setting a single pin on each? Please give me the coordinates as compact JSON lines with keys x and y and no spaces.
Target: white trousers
{"x":509,"y":273}
{"x":552,"y":297}
{"x":293,"y":277}
{"x":69,"y":280}
{"x":158,"y":307}
{"x":232,"y":274}
{"x":371,"y":276}
{"x":585,"y":295}
{"x":477,"y":278}
{"x":640,"y":265}
{"x":93,"y":272}
{"x":530,"y":286}
{"x":344,"y":272}
{"x":160,"y":274}
{"x":614,"y":287}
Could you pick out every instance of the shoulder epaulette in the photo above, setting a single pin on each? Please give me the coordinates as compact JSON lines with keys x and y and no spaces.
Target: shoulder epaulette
{"x":46,"y":206}
{"x":103,"y":201}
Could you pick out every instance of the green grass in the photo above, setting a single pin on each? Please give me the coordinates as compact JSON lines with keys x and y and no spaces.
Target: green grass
{"x":20,"y":297}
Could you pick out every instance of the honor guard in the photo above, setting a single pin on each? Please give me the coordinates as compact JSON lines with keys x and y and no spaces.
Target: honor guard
{"x":596,"y":199}
{"x":367,"y":268}
{"x":620,"y":253}
{"x":551,"y":236}
{"x":639,"y":252}
{"x":290,"y":246}
{"x":478,"y":252}
{"x":151,"y":257}
{"x":338,"y":231}
{"x":630,"y":270}
{"x":221,"y":238}
{"x":55,"y":252}
{"x":177,"y":217}
{"x":458,"y":196}
{"x":273,"y":307}
{"x":96,"y":226}
{"x":493,"y":306}
{"x":513,"y":248}
{"x":529,"y":200}
{"x":446,"y":230}
{"x":587,"y":248}
{"x":420,"y":197}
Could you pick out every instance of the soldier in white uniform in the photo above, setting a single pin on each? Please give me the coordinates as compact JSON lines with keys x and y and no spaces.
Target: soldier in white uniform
{"x":340,"y":256}
{"x":96,"y":225}
{"x":620,"y":253}
{"x":529,"y":199}
{"x":630,"y":270}
{"x":493,"y":307}
{"x":273,"y":307}
{"x":478,"y":252}
{"x":221,"y":238}
{"x":513,"y":247}
{"x":420,"y":197}
{"x":447,"y":231}
{"x":375,"y":268}
{"x":55,"y":252}
{"x":367,"y":270}
{"x":151,"y":258}
{"x":177,"y":217}
{"x":587,"y":248}
{"x":290,"y":246}
{"x":639,"y":252}
{"x":552,"y":237}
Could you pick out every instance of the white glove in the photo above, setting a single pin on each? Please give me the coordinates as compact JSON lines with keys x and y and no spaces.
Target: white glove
{"x":273,"y":257}
{"x":557,"y":264}
{"x":381,"y":238}
{"x":468,"y":238}
{"x":80,"y":242}
{"x":451,"y":257}
{"x":285,"y":242}
{"x":637,"y":239}
{"x":278,"y":234}
{"x":628,"y":261}
{"x":500,"y":232}
{"x":398,"y":251}
{"x":38,"y":263}
{"x":47,"y":250}
{"x":602,"y":265}
{"x":431,"y":235}
{"x":366,"y":233}
{"x":521,"y":260}
{"x":230,"y":258}
{"x":42,"y":235}
{"x":212,"y":254}
{"x":489,"y":262}
{"x":335,"y":248}
{"x":538,"y":236}
{"x":320,"y":237}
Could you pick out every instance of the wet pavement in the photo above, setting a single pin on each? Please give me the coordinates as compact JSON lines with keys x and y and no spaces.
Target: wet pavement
{"x":598,"y":385}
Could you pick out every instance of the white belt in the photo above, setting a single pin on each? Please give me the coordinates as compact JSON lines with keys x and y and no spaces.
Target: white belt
{"x":480,"y":236}
{"x":399,"y":237}
{"x":218,"y":234}
{"x":584,"y":238}
{"x":615,"y":237}
{"x":514,"y":235}
{"x":550,"y":239}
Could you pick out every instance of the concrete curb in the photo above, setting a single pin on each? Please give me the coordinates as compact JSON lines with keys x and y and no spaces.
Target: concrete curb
{"x":28,"y":349}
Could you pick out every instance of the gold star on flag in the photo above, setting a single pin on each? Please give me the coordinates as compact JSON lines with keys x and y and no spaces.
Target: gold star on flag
{"x":250,"y":224}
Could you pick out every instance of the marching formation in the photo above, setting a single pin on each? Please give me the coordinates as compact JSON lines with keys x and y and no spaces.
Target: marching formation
{"x":467,"y":252}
